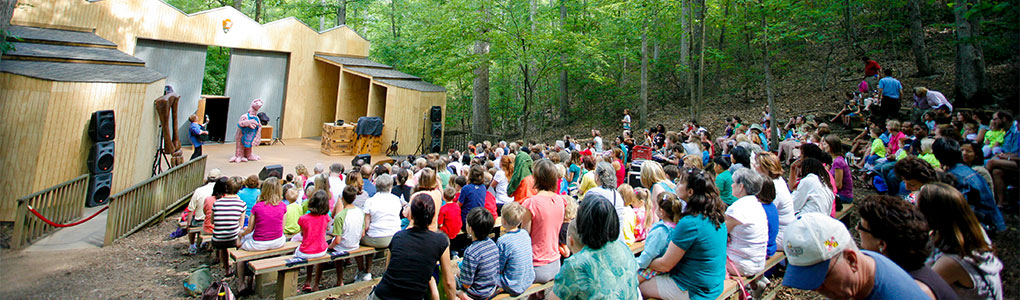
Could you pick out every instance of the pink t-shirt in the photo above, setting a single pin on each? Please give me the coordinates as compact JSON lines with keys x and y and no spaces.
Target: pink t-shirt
{"x":268,"y":221}
{"x":208,"y":226}
{"x":313,"y":233}
{"x":894,"y":142}
{"x":863,"y":87}
{"x":547,"y":217}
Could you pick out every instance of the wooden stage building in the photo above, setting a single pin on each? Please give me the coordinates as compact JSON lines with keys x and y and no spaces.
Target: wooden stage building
{"x":79,"y":56}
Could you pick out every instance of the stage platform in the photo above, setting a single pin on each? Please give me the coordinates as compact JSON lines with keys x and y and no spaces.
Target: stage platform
{"x":296,"y":151}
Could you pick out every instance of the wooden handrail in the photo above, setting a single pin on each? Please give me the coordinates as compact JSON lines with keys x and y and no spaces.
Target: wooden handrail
{"x":49,"y":189}
{"x":153,"y":199}
{"x":60,"y":203}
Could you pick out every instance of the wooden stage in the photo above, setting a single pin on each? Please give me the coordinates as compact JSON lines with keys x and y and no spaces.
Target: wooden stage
{"x":296,"y":151}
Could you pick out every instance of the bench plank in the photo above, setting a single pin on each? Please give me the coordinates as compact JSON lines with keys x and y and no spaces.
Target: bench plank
{"x":278,"y":263}
{"x":534,"y":288}
{"x":239,"y":255}
{"x":847,"y":208}
{"x":637,"y":247}
{"x":337,"y":291}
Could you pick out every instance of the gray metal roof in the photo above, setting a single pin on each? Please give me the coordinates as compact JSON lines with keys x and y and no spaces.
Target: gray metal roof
{"x":353,"y":61}
{"x":383,"y":73}
{"x":72,"y":52}
{"x":54,"y":35}
{"x":80,"y":72}
{"x":417,"y":85}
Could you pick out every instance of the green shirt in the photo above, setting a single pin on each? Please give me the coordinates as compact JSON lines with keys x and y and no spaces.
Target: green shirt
{"x":724,"y":181}
{"x":703,"y":268}
{"x":878,"y":148}
{"x":290,"y":225}
{"x":606,"y":273}
{"x":444,"y":178}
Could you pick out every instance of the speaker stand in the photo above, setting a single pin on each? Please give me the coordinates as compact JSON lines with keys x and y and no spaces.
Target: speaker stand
{"x":424,"y":133}
{"x":160,"y":157}
{"x":278,"y":133}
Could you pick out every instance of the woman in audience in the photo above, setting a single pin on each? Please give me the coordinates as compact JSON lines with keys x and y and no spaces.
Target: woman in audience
{"x":382,"y":221}
{"x":813,"y":193}
{"x":653,"y":176}
{"x":428,"y":183}
{"x":694,"y":265}
{"x":353,"y":178}
{"x":601,"y":267}
{"x":768,"y":166}
{"x":605,"y":177}
{"x":501,"y":180}
{"x":401,"y":189}
{"x":964,"y":256}
{"x":522,"y":184}
{"x":897,"y":229}
{"x":972,"y":157}
{"x":543,"y":221}
{"x":840,"y":171}
{"x":747,"y":224}
{"x":413,"y":256}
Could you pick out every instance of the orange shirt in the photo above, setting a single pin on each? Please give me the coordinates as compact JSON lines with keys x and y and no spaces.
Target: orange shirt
{"x":525,"y":190}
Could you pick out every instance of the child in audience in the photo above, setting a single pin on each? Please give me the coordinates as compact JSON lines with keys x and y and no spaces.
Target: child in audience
{"x":227,"y":216}
{"x":313,"y":237}
{"x":348,"y":227}
{"x":569,"y":213}
{"x":449,"y":215}
{"x":970,"y":131}
{"x":515,"y":270}
{"x":480,"y":267}
{"x":926,"y":153}
{"x":877,"y":149}
{"x":642,"y":211}
{"x":929,"y":121}
{"x":994,"y":138}
{"x":658,"y":237}
{"x":294,"y":211}
{"x":249,"y":194}
{"x":629,"y":217}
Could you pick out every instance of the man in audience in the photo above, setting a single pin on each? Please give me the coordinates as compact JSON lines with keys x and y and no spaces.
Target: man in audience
{"x":823,"y":258}
{"x":366,"y":177}
{"x":336,"y":180}
{"x":1005,"y":166}
{"x":970,"y":184}
{"x":890,"y":89}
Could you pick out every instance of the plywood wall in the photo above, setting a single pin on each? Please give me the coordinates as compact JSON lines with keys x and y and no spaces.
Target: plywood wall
{"x":45,"y":132}
{"x":377,"y":101}
{"x":352,"y":97}
{"x":124,"y":21}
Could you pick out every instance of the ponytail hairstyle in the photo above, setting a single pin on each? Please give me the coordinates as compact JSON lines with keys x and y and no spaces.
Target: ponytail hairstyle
{"x":704,"y":199}
{"x":671,"y":207}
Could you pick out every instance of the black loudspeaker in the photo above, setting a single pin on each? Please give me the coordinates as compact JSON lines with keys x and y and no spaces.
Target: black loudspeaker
{"x":361,"y":159}
{"x":436,"y":114}
{"x":436,"y":146}
{"x":271,"y":171}
{"x":101,"y":157}
{"x":634,"y":179}
{"x":99,"y":189}
{"x":437,"y":130}
{"x":102,"y":126}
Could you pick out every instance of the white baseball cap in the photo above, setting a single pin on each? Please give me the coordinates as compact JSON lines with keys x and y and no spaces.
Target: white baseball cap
{"x":810,"y":243}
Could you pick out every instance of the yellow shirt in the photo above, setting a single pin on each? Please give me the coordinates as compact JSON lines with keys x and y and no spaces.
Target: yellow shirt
{"x":878,"y":148}
{"x":930,"y":158}
{"x":587,"y":183}
{"x":629,"y":223}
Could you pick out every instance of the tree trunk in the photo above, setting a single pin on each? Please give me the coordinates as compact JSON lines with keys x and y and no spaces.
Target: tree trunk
{"x":237,"y":5}
{"x":480,"y":90}
{"x":685,"y":48}
{"x":6,"y":13}
{"x":393,"y":18}
{"x":701,"y":66}
{"x":322,"y":18}
{"x":774,"y":135}
{"x":917,"y":40}
{"x":564,"y":101}
{"x":644,"y":77}
{"x":341,"y":12}
{"x":722,"y":41}
{"x":258,"y":10}
{"x":970,"y":62}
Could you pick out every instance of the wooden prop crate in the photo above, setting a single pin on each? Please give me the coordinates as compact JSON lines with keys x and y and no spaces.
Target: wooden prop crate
{"x":337,"y":140}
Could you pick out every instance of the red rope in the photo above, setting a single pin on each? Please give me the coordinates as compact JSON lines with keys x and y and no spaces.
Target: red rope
{"x":40,"y":216}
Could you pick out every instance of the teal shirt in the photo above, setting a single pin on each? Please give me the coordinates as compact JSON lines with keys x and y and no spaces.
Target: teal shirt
{"x":607,"y":273}
{"x":703,"y":268}
{"x":724,"y":181}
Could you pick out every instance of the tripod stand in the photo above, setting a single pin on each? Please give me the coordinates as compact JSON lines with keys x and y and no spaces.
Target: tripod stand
{"x":160,"y":157}
{"x":424,"y":133}
{"x":278,"y":133}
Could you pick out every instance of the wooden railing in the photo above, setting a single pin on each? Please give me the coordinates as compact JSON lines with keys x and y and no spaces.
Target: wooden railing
{"x":455,"y":139}
{"x":61,"y":203}
{"x":137,"y":206}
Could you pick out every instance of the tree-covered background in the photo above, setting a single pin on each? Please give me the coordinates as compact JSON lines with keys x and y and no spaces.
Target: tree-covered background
{"x":516,"y":66}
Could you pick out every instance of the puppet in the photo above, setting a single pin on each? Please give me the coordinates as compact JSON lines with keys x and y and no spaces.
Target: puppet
{"x":248,"y":133}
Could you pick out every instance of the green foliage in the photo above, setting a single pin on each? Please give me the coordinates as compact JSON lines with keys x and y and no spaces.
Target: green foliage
{"x":217,"y":61}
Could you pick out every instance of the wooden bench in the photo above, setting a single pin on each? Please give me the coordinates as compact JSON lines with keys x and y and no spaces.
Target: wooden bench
{"x":847,"y":208}
{"x":637,"y":247}
{"x":287,"y":284}
{"x":533,"y":289}
{"x":241,"y":256}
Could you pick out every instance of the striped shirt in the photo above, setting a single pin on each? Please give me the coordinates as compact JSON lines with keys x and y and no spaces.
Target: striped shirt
{"x":227,"y":213}
{"x":515,"y":270}
{"x":480,"y":268}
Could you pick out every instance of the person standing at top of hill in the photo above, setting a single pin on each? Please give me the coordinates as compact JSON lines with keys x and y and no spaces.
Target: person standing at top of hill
{"x":626,"y":119}
{"x":871,"y":71}
{"x":890,"y":89}
{"x":597,"y":139}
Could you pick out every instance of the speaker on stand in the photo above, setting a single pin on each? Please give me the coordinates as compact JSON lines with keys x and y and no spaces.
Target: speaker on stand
{"x":102,"y":128}
{"x":436,"y":129}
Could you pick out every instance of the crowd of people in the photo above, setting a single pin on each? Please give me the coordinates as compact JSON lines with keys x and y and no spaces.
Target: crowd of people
{"x":510,"y":214}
